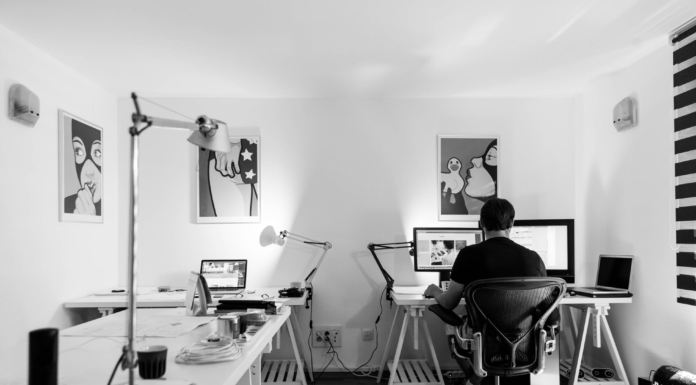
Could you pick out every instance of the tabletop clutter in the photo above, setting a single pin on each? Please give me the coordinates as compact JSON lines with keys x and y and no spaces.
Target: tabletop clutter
{"x":235,"y":327}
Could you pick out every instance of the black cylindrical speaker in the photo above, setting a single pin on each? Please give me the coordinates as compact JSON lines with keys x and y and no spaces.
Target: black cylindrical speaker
{"x":43,"y":357}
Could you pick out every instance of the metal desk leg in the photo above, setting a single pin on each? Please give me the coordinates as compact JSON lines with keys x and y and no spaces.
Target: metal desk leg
{"x":301,"y":346}
{"x":386,"y":348}
{"x":399,"y":346}
{"x":255,"y":371}
{"x":300,"y":368}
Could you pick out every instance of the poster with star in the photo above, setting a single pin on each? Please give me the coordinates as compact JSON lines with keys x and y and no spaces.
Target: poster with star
{"x":229,"y":183}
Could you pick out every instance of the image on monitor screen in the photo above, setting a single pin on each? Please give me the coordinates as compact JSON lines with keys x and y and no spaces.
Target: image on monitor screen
{"x":437,"y":248}
{"x":230,"y":274}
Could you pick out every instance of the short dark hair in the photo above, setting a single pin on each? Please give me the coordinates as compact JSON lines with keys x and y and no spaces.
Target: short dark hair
{"x":497,"y":214}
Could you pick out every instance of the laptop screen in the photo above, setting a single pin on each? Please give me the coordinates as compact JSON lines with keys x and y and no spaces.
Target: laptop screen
{"x":224,"y":274}
{"x":614,"y":272}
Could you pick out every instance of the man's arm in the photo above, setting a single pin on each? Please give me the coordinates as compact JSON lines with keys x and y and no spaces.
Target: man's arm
{"x":449,"y":299}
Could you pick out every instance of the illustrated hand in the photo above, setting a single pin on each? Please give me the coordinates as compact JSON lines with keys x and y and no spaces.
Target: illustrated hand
{"x":84,"y":203}
{"x":431,"y":290}
{"x":226,"y":162}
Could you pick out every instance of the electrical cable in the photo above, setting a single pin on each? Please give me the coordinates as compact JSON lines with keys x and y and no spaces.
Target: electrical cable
{"x":323,"y":370}
{"x":116,"y":367}
{"x":218,"y":349}
{"x":334,"y":353}
{"x":309,"y":341}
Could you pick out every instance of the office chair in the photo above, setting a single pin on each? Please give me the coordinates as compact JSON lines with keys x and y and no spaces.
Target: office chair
{"x":508,"y":320}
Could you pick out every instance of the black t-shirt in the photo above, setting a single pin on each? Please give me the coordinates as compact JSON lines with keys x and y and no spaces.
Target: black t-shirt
{"x":497,"y":257}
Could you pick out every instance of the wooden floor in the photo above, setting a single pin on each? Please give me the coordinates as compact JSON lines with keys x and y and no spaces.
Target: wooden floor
{"x":345,"y":379}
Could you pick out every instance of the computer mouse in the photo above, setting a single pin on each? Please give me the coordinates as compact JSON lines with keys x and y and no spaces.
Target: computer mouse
{"x":427,"y":296}
{"x":251,"y":291}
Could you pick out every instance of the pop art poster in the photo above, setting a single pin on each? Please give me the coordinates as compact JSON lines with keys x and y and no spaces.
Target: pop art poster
{"x":229,"y":183}
{"x":468,"y":175}
{"x":80,"y":150}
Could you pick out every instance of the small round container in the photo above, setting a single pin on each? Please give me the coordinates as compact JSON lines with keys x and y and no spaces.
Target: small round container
{"x":152,"y":361}
{"x":229,"y":326}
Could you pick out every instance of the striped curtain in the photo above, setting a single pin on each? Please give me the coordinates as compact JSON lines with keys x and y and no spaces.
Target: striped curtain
{"x":684,"y":60}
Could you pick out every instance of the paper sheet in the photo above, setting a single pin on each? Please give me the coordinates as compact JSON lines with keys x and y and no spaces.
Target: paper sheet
{"x":152,"y":326}
{"x":415,"y":290}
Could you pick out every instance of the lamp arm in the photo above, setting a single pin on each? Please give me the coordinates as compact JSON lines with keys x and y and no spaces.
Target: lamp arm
{"x":387,"y":246}
{"x":151,"y":121}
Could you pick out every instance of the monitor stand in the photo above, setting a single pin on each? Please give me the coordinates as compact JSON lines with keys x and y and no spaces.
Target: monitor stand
{"x":444,"y":277}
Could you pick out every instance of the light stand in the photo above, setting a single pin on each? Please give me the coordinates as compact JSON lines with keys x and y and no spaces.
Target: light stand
{"x":205,"y":135}
{"x":388,"y":246}
{"x":280,"y":241}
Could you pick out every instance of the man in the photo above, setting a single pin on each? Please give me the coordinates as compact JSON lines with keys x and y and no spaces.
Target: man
{"x":496,"y":257}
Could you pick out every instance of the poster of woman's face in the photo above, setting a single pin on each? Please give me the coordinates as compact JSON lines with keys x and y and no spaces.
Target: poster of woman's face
{"x":228,"y":183}
{"x":468,"y":175}
{"x":80,"y":168}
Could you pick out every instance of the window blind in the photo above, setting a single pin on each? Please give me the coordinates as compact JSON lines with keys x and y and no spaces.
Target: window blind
{"x":684,"y":66}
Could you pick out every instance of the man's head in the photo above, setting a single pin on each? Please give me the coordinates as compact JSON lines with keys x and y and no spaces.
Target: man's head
{"x":497,"y":215}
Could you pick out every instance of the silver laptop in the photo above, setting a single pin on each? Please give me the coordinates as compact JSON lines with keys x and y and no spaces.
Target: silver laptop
{"x":225,"y":276}
{"x":613,"y":276}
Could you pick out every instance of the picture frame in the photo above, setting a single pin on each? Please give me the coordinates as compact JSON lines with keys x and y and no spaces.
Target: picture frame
{"x":80,"y":170}
{"x":467,"y":169}
{"x":228,"y":184}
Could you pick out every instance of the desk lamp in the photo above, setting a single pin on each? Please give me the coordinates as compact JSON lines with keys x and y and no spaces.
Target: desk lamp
{"x":280,"y":241}
{"x":389,"y":246}
{"x":208,"y":133}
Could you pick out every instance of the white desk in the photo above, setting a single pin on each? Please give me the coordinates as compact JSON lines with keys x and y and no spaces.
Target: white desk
{"x":90,"y":360}
{"x":592,"y":310}
{"x":148,"y":297}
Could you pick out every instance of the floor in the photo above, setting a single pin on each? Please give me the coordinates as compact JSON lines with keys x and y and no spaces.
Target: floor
{"x":345,"y":379}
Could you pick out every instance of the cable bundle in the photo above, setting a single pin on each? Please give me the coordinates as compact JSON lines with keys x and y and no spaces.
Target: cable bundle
{"x":209,"y":351}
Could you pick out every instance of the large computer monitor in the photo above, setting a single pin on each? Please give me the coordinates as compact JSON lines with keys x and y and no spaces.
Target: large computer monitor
{"x":437,"y":248}
{"x":553,"y":240}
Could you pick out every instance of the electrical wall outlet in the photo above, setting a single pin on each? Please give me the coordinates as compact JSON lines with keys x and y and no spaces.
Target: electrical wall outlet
{"x":334,"y":333}
{"x":368,"y":334}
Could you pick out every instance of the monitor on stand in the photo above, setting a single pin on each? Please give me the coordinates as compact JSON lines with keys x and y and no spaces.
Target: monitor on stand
{"x":436,"y":248}
{"x":553,"y":240}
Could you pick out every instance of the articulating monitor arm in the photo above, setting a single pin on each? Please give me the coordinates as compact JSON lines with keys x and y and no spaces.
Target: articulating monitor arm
{"x":388,"y":246}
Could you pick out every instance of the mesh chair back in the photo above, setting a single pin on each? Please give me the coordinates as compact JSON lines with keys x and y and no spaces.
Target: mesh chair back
{"x":510,"y":313}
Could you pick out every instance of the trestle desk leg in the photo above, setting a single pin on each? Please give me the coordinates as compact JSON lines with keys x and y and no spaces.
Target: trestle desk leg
{"x":386,"y":348}
{"x":301,"y":346}
{"x":300,"y":368}
{"x":613,"y":350}
{"x":579,"y":348}
{"x":426,"y":331}
{"x":399,"y":346}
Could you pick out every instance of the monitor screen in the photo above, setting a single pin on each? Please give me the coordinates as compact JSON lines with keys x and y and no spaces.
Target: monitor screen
{"x":437,"y":248}
{"x":553,"y":240}
{"x":228,"y":274}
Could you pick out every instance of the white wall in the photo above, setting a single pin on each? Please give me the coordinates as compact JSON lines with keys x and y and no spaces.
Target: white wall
{"x":350,"y":172}
{"x":625,"y":205}
{"x":45,"y":262}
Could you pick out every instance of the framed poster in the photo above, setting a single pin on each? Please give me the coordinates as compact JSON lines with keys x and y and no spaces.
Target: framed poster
{"x":229,"y":183}
{"x":467,"y":175}
{"x":80,"y":160}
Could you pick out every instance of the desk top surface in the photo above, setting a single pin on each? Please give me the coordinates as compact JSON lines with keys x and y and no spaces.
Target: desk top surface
{"x":149,"y":297}
{"x":90,"y":360}
{"x":418,"y":300}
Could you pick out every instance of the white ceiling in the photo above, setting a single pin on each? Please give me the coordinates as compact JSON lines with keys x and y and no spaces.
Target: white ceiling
{"x":346,"y":48}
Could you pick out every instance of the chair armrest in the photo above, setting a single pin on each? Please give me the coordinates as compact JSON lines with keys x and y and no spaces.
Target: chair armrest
{"x":447,"y":316}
